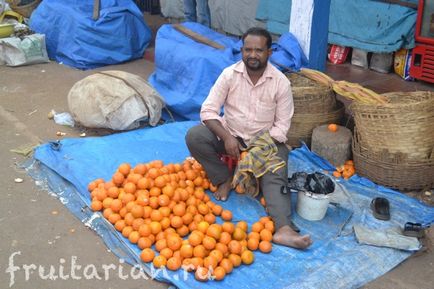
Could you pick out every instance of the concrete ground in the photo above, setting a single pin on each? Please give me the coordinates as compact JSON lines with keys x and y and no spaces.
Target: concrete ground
{"x":36,"y":229}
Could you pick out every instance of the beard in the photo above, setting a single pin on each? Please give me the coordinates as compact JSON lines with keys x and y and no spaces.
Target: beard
{"x":254,"y":64}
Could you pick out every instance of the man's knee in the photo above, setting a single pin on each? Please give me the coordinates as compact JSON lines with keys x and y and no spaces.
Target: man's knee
{"x":195,"y":136}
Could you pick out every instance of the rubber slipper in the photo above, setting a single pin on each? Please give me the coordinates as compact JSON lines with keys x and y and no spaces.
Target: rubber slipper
{"x":413,"y":230}
{"x":381,"y":209}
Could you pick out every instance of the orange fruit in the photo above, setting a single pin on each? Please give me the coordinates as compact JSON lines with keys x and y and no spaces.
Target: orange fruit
{"x":137,"y":211}
{"x":226,"y":215}
{"x":209,"y":242}
{"x":228,"y":227}
{"x":166,"y":252}
{"x":332,"y":127}
{"x":147,"y":255}
{"x":134,"y":237}
{"x":96,"y":205}
{"x":257,"y":227}
{"x":242,"y":225}
{"x":235,"y":247}
{"x":253,"y":244}
{"x":239,"y":234}
{"x":264,"y":220}
{"x":120,"y":225}
{"x":214,"y":231}
{"x":219,"y":273}
{"x":144,"y":243}
{"x":130,"y":188}
{"x":269,"y":226}
{"x":144,"y":183}
{"x":113,"y":218}
{"x":127,"y":231}
{"x":235,"y":259}
{"x":225,"y":238}
{"x":266,"y":235}
{"x":195,"y":239}
{"x":173,"y":263}
{"x":140,"y":169}
{"x":210,"y":218}
{"x":210,"y":262}
{"x":199,"y":251}
{"x":174,"y":242}
{"x":247,"y":257}
{"x":118,"y":178}
{"x":187,"y":218}
{"x":159,"y":261}
{"x":337,"y":174}
{"x":160,"y":244}
{"x":265,"y":246}
{"x":155,"y":227}
{"x":227,"y":265}
{"x":202,"y":274}
{"x":124,"y":169}
{"x":217,"y":210}
{"x":202,"y":226}
{"x":218,"y":255}
{"x":186,"y":251}
{"x":196,"y":262}
{"x":134,"y":178}
{"x":254,"y":235}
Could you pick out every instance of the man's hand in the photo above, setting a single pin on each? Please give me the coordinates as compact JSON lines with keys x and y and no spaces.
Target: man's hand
{"x":231,"y":143}
{"x":232,"y":146}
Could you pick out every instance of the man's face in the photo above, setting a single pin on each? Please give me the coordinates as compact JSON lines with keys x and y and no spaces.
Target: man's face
{"x":255,"y":52}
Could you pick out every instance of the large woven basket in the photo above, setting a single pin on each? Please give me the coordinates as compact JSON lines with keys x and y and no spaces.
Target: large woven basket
{"x":311,"y":96}
{"x":302,"y":124}
{"x":26,"y":9}
{"x":405,"y":125}
{"x":393,"y":170}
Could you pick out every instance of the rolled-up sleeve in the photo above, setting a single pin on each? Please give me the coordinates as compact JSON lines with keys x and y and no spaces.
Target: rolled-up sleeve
{"x":213,"y":104}
{"x":284,"y":112}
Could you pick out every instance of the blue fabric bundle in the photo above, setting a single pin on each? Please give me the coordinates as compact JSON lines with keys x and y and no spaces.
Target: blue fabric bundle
{"x":75,"y":39}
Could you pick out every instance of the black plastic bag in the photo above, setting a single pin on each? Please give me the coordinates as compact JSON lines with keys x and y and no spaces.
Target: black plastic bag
{"x":316,"y":183}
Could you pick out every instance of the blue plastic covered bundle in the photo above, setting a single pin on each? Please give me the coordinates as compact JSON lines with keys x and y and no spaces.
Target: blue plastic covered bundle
{"x":119,"y":34}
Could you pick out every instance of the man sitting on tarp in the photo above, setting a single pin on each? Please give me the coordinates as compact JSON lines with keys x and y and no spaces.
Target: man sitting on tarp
{"x":256,"y":97}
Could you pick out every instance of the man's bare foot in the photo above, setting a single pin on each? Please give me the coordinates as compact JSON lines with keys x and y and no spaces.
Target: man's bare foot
{"x":286,"y":236}
{"x":223,"y":190}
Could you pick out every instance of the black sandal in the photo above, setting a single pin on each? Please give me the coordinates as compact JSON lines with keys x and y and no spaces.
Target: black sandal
{"x":381,"y":209}
{"x":413,"y":230}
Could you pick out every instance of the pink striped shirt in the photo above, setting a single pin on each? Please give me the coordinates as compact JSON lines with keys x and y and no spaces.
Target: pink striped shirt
{"x":248,"y":108}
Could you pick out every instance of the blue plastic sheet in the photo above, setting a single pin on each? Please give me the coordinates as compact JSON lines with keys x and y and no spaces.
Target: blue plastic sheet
{"x":75,"y":39}
{"x":364,"y":24}
{"x":371,"y":25}
{"x":185,"y":70}
{"x":335,"y":260}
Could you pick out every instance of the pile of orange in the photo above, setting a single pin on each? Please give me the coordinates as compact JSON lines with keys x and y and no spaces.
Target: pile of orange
{"x":346,"y":171}
{"x":165,"y":210}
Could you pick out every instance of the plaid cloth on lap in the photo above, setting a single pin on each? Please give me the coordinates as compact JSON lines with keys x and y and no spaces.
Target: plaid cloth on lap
{"x":261,"y":158}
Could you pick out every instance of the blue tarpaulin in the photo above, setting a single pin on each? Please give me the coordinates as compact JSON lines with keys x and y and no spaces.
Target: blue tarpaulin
{"x":364,"y":24}
{"x":75,"y":39}
{"x":335,"y":260}
{"x":185,"y":70}
{"x":371,"y":25}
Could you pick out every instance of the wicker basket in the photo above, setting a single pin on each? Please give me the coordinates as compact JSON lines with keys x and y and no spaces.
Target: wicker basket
{"x":25,"y":10}
{"x":392,"y":170}
{"x":302,"y":124}
{"x":310,"y":96}
{"x":405,"y":125}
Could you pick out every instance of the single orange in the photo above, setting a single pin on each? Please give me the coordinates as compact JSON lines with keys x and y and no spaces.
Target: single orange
{"x":147,"y":255}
